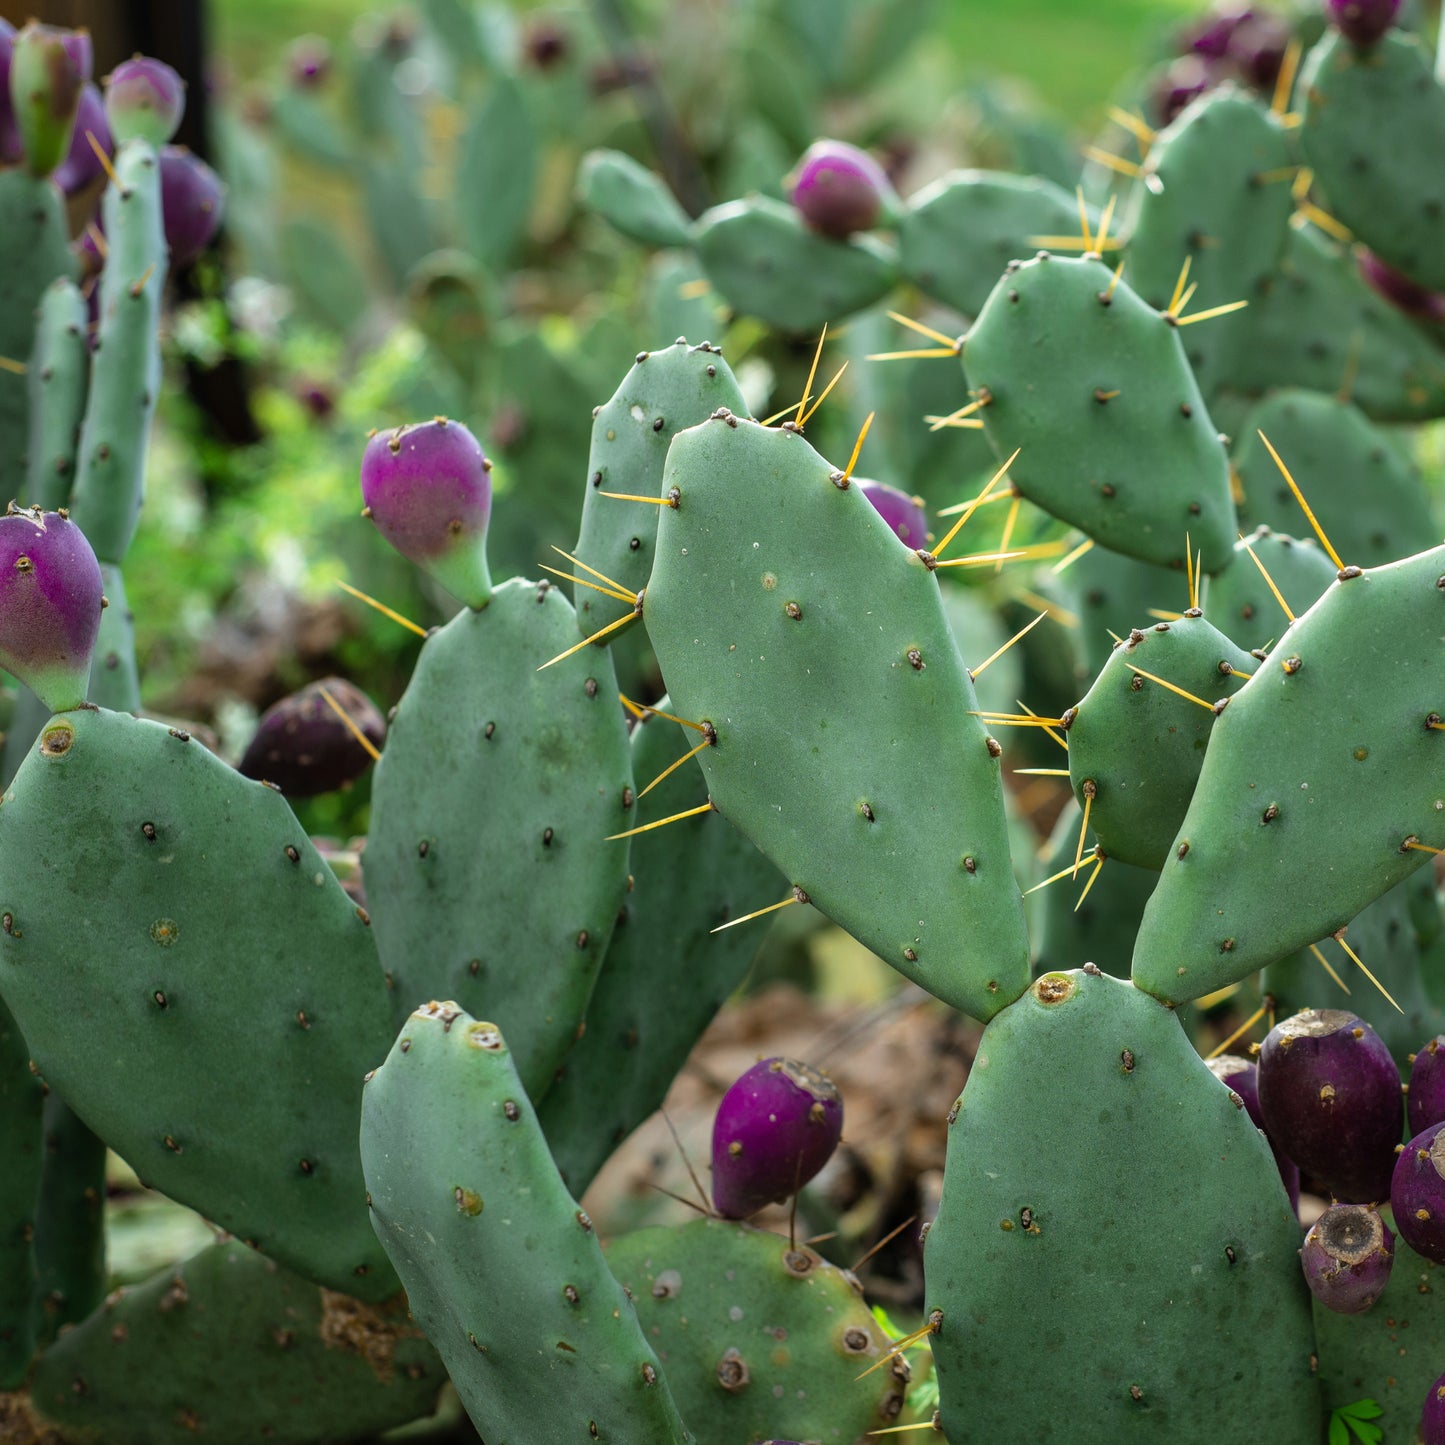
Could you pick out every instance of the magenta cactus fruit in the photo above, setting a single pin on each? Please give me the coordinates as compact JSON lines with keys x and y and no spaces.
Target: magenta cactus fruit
{"x":1347,"y":1256}
{"x":51,"y":596}
{"x":82,"y":166}
{"x":304,"y":746}
{"x":774,"y":1130}
{"x":427,"y":488}
{"x":144,"y":99}
{"x":903,"y":513}
{"x":1362,"y":22}
{"x":1398,"y":289}
{"x":308,"y":61}
{"x":839,"y":189}
{"x":1331,"y":1098}
{"x":1417,"y":1193}
{"x":1425,"y":1098}
{"x":1432,"y":1414}
{"x":1243,"y":1077}
{"x":1181,"y":81}
{"x":192,"y":201}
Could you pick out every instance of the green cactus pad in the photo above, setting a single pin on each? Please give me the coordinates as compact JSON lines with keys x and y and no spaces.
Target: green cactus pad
{"x":1317,"y":325}
{"x":786,"y":613}
{"x":229,"y":1346}
{"x":665,"y":975}
{"x":631,"y":199}
{"x":126,"y":371}
{"x":1373,"y":133}
{"x":1110,"y":1214}
{"x":33,"y":252}
{"x":1241,"y":602}
{"x":502,"y":1269}
{"x":763,"y":261}
{"x":1392,"y":1353}
{"x":1215,"y":190}
{"x":114,"y":680}
{"x":70,"y":1218}
{"x":1318,"y":772}
{"x":21,"y":1102}
{"x":57,"y":379}
{"x":956,"y":235}
{"x":1100,"y":929}
{"x":1091,"y":384}
{"x":486,"y":866}
{"x":666,"y":391}
{"x":760,"y":1340}
{"x":1360,"y":483}
{"x":1136,"y":746}
{"x":166,"y":915}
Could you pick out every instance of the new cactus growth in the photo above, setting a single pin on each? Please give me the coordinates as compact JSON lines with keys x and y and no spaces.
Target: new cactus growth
{"x":775,"y":1128}
{"x":1347,"y":1257}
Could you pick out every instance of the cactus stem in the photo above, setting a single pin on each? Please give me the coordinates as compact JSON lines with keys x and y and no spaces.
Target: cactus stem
{"x":662,"y":823}
{"x":351,"y":727}
{"x":1239,"y":1033}
{"x":382,"y":608}
{"x":1284,"y":82}
{"x":1113,"y":162}
{"x":971,"y":507}
{"x":583,"y":582}
{"x":999,"y":652}
{"x":1064,"y":563}
{"x":1328,"y":967}
{"x":796,"y":896}
{"x":1187,"y":696}
{"x":709,"y":740}
{"x":1360,"y":964}
{"x":1299,"y":496}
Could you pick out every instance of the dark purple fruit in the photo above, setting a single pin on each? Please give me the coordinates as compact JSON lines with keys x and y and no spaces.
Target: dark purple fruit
{"x":903,"y":513}
{"x":839,"y":189}
{"x":1432,"y":1414}
{"x":1243,"y":1077}
{"x":1398,"y":289}
{"x":82,"y":166}
{"x":1182,"y":81}
{"x":427,"y":488}
{"x":303,"y":747}
{"x":51,"y":596}
{"x":1347,"y":1256}
{"x":1425,"y":1098}
{"x":1330,"y":1093}
{"x":192,"y":198}
{"x":774,"y":1130}
{"x":1417,"y":1193}
{"x":1362,"y":22}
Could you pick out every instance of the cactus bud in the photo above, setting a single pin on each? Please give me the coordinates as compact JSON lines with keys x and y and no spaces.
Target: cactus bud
{"x":839,"y":189}
{"x":144,"y":99}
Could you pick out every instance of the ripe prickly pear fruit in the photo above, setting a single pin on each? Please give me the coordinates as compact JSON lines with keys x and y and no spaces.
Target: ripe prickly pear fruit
{"x":1432,"y":1415}
{"x":774,"y":1130}
{"x":839,"y":189}
{"x":1347,"y":1256}
{"x":1417,"y":1193}
{"x":1425,"y":1098}
{"x":1330,"y":1093}
{"x":51,"y":596}
{"x":192,"y":198}
{"x":903,"y":513}
{"x":1243,"y":1077}
{"x":48,"y":69}
{"x":1396,"y":287}
{"x":305,"y":749}
{"x":427,"y":488}
{"x":1362,"y":22}
{"x":144,"y":99}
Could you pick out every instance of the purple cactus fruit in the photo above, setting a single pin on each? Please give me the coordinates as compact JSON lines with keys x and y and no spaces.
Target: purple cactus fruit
{"x":903,"y":513}
{"x":1180,"y":82}
{"x":86,"y":249}
{"x":1425,"y":1097}
{"x":192,"y":199}
{"x":1257,"y":49}
{"x":1362,"y":22}
{"x":81,"y":166}
{"x":1398,"y":289}
{"x":1243,"y":1077}
{"x":10,"y":151}
{"x":1331,"y":1098}
{"x":1211,"y":34}
{"x":303,"y":747}
{"x":427,"y":488}
{"x":308,"y":62}
{"x":51,"y":596}
{"x":839,"y":189}
{"x":1347,"y":1256}
{"x":1417,"y":1193}
{"x":774,"y":1130}
{"x":145,"y":99}
{"x":48,"y":70}
{"x":1432,"y":1414}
